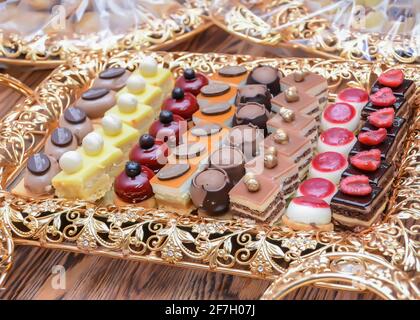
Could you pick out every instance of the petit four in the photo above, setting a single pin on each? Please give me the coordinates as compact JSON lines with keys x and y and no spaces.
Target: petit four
{"x":210,"y":191}
{"x":133,"y":113}
{"x":117,"y":133}
{"x":357,"y":204}
{"x":195,"y":153}
{"x":60,"y":141}
{"x":216,"y":97}
{"x":257,"y":198}
{"x":296,"y":101}
{"x":395,"y":80}
{"x":155,"y":75}
{"x":145,"y":93}
{"x":288,"y":120}
{"x":215,"y":114}
{"x":77,"y":122}
{"x":317,"y":187}
{"x":247,"y":138}
{"x":266,"y":75}
{"x":171,"y":186}
{"x":309,"y":83}
{"x":341,"y":115}
{"x":308,"y":213}
{"x":96,"y":101}
{"x":377,"y":139}
{"x":329,"y":165}
{"x":251,"y":113}
{"x":339,"y":140}
{"x":132,"y":186}
{"x":396,"y":127}
{"x":211,"y":134}
{"x":168,"y":125}
{"x":385,"y":98}
{"x":280,"y":169}
{"x":231,"y":160}
{"x":191,"y":81}
{"x":37,"y":179}
{"x":181,"y":103}
{"x":356,"y":97}
{"x":150,"y":152}
{"x":254,"y":93}
{"x":113,"y":78}
{"x":233,"y":75}
{"x":293,"y":145}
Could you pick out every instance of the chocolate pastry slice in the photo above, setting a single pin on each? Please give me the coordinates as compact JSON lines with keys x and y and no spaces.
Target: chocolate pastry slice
{"x":210,"y":191}
{"x":254,"y":93}
{"x":401,"y":107}
{"x":112,"y":79}
{"x":266,"y":75}
{"x":398,"y":131}
{"x":77,"y":122}
{"x":96,"y":101}
{"x":381,"y":177}
{"x":388,"y":149}
{"x":251,"y":113}
{"x":405,"y":90}
{"x":60,"y":141}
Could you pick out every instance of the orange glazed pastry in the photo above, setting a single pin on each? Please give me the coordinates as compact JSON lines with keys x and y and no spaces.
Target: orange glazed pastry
{"x":233,"y":75}
{"x":211,"y":134}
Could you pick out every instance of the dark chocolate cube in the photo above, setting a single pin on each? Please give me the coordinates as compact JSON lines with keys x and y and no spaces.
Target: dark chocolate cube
{"x":404,"y":90}
{"x":400,"y":106}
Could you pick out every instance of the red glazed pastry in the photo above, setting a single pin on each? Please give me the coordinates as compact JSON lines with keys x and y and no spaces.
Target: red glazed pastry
{"x":181,"y":103}
{"x":168,"y":125}
{"x":383,"y":98}
{"x":392,"y":78}
{"x":191,"y":81}
{"x":372,"y":138}
{"x":356,"y":186}
{"x":133,"y":184}
{"x":367,"y":160}
{"x":150,"y":153}
{"x":383,"y":118}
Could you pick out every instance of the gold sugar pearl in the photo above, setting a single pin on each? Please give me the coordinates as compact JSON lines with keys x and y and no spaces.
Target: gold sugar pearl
{"x":252,"y":185}
{"x":271,"y":150}
{"x":248,"y":176}
{"x":270,"y":161}
{"x":287,"y":115}
{"x":281,"y":137}
{"x":299,"y":76}
{"x":291,"y":94}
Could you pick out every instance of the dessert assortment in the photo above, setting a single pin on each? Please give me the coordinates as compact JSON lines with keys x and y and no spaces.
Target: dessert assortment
{"x":250,"y":144}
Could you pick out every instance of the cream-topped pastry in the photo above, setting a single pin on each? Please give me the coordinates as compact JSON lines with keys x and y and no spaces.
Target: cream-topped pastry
{"x":155,"y":75}
{"x":317,"y":187}
{"x":96,"y":101}
{"x":76,"y":120}
{"x":356,"y":97}
{"x":329,"y":165}
{"x":340,"y":140}
{"x":341,"y":115}
{"x":306,"y":213}
{"x":60,"y":141}
{"x":113,"y":78}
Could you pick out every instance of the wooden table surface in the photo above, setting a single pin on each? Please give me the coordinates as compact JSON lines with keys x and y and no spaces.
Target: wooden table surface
{"x":90,"y":277}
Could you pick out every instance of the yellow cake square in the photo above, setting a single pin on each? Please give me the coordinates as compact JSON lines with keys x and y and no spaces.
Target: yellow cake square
{"x":150,"y":95}
{"x":141,"y":117}
{"x":123,"y":140}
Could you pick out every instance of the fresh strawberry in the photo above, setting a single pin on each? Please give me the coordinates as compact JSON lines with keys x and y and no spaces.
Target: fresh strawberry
{"x":367,"y":160}
{"x":372,"y":138}
{"x":356,"y":186}
{"x":383,"y":98}
{"x":383,"y":118}
{"x":392,"y":78}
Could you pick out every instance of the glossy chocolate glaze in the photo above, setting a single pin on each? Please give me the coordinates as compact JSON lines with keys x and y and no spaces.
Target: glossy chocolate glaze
{"x":254,"y":93}
{"x":266,"y":75}
{"x":404,"y":90}
{"x":380,"y":177}
{"x":401,"y":108}
{"x":251,"y":113}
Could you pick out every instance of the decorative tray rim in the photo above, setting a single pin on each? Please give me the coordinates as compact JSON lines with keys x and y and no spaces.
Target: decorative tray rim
{"x":233,"y":246}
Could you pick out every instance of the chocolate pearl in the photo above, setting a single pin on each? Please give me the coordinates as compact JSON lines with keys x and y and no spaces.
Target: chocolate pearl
{"x":112,"y":73}
{"x":95,"y":93}
{"x":147,"y":141}
{"x":38,"y":164}
{"x":74,"y":115}
{"x":189,"y":74}
{"x":178,"y":94}
{"x":132,"y":169}
{"x":166,"y":117}
{"x":61,"y":137}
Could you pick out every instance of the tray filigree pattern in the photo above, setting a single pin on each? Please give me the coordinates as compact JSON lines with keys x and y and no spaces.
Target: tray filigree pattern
{"x":235,"y":246}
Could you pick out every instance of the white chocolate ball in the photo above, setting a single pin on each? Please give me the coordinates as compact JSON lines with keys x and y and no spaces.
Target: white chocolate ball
{"x":71,"y":162}
{"x":112,"y":125}
{"x":93,"y":143}
{"x":136,"y":84}
{"x":149,"y":66}
{"x":127,"y":103}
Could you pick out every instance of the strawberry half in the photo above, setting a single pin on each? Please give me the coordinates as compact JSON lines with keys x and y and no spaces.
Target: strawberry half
{"x":383,"y":98}
{"x":383,"y":118}
{"x":367,"y":160}
{"x":372,"y":138}
{"x":392,"y":78}
{"x":356,"y":186}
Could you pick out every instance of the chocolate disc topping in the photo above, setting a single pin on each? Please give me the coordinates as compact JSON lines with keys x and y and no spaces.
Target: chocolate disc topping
{"x":232,"y":71}
{"x":172,"y":171}
{"x":39,"y":164}
{"x":112,"y":73}
{"x":215,"y":109}
{"x":61,"y":137}
{"x":214,"y":89}
{"x":74,"y":115}
{"x":189,"y":150}
{"x":206,"y":129}
{"x":94,"y":93}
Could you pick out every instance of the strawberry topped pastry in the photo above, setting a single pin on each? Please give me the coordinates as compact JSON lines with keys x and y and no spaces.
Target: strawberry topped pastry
{"x":396,"y":127}
{"x":357,"y":204}
{"x":383,"y":118}
{"x":358,"y":98}
{"x":191,"y":81}
{"x":317,"y":187}
{"x":367,"y":160}
{"x":396,"y":81}
{"x":373,"y":138}
{"x":340,"y":140}
{"x":328,"y":165}
{"x":385,"y":98}
{"x":341,"y":115}
{"x":181,"y":103}
{"x":308,"y":213}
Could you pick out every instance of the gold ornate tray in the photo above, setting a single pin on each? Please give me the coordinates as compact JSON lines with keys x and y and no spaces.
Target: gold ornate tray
{"x":180,"y":25}
{"x":384,"y":258}
{"x":291,"y":25}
